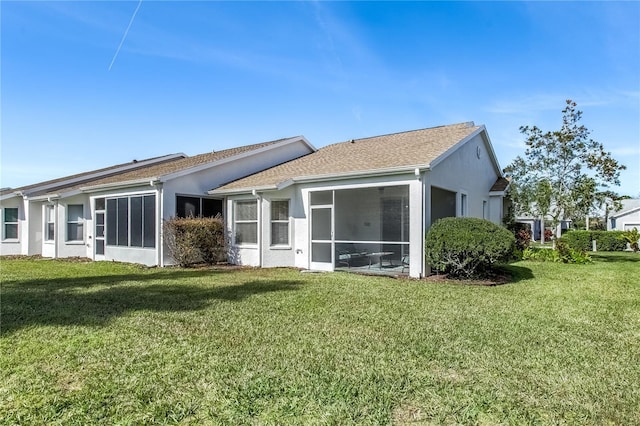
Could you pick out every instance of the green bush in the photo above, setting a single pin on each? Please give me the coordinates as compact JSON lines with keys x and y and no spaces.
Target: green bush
{"x":467,"y":247}
{"x":605,"y":240}
{"x":561,"y":254}
{"x":633,"y":238}
{"x":195,"y":240}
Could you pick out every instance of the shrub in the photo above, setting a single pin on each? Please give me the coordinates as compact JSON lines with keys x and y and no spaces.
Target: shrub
{"x":561,"y":254}
{"x":632,"y":237}
{"x":605,"y":240}
{"x":610,"y":240}
{"x":195,"y":240}
{"x":467,"y":247}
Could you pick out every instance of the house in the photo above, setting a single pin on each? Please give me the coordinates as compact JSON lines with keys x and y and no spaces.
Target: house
{"x":363,"y":204}
{"x":116,"y":213}
{"x":535,"y":226}
{"x":627,"y":217}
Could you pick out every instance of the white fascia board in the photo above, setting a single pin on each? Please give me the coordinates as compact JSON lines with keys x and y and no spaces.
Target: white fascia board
{"x":324,"y":178}
{"x":242,"y":190}
{"x":232,"y":158}
{"x":10,"y":195}
{"x":122,"y":169}
{"x":497,"y":193}
{"x":362,"y":174}
{"x":119,"y":185}
{"x":45,"y":197}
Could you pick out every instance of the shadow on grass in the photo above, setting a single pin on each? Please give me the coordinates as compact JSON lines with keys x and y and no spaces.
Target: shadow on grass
{"x":517,"y":273}
{"x":626,"y":257}
{"x":31,"y":303}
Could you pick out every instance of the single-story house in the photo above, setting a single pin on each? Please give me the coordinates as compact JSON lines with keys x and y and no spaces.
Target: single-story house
{"x":363,"y":204}
{"x":116,"y":213}
{"x":627,"y":218}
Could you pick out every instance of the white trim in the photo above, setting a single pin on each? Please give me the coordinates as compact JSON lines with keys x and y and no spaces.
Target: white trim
{"x":112,"y":171}
{"x":287,"y":221}
{"x":234,"y":222}
{"x":328,"y":178}
{"x":4,"y":223}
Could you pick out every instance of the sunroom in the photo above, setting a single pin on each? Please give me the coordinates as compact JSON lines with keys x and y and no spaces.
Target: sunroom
{"x":360,"y":229}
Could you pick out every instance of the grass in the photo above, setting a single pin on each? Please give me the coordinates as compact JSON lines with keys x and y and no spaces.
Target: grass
{"x":92,"y":343}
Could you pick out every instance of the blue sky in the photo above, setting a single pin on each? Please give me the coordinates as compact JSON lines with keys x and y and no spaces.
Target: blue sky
{"x":199,"y":76}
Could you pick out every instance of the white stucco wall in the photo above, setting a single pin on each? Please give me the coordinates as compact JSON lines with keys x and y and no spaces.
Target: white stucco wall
{"x":72,"y":248}
{"x":464,"y":173}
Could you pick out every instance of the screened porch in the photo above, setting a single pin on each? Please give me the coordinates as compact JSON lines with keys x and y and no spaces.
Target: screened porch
{"x":361,"y":230}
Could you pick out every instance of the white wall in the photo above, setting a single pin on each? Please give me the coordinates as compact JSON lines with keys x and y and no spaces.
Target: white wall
{"x":464,"y":172}
{"x":72,"y":248}
{"x":626,"y":222}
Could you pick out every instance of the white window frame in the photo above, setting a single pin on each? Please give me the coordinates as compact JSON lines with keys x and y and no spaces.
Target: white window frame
{"x":236,"y":221}
{"x":49,"y":213}
{"x":287,"y":221}
{"x":5,"y":223}
{"x":79,"y":222}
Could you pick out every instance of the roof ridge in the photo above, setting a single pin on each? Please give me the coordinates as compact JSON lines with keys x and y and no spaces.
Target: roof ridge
{"x":462,"y":124}
{"x":248,"y":146}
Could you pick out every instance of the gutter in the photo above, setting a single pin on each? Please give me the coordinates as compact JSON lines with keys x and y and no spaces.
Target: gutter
{"x":259,"y":211}
{"x":137,"y":182}
{"x":324,"y":178}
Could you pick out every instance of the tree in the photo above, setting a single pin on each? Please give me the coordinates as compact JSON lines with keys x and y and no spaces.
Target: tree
{"x":564,"y":173}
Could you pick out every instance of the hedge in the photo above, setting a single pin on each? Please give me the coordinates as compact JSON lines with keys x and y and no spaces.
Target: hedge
{"x":605,"y":240}
{"x":195,"y":240}
{"x":467,"y":247}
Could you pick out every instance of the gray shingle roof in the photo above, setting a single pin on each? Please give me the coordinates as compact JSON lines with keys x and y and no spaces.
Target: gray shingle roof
{"x":152,"y":171}
{"x":62,"y":182}
{"x":418,"y":148}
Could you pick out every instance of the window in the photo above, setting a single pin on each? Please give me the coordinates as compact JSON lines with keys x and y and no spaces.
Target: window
{"x":245,"y":222}
{"x":49,"y":223}
{"x":197,"y":207}
{"x":75,"y":226}
{"x":280,"y":222}
{"x":10,"y":220}
{"x":484,"y":209}
{"x":463,"y":205}
{"x":131,"y":221}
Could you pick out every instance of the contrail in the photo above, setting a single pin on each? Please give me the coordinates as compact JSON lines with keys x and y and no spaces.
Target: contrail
{"x":125,"y":34}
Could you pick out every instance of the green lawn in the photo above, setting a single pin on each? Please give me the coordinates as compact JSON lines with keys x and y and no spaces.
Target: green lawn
{"x":86,"y":343}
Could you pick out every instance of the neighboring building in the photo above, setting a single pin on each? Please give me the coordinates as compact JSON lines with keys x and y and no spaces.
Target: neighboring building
{"x":535,"y":226}
{"x":627,"y":218}
{"x":116,"y":213}
{"x":364,"y":204}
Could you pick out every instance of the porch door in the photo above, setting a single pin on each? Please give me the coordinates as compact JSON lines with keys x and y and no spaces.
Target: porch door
{"x":322,"y":238}
{"x":99,"y":231}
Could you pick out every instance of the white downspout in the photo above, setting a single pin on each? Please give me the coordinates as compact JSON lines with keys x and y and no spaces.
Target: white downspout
{"x":160,"y":218}
{"x":259,"y":230}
